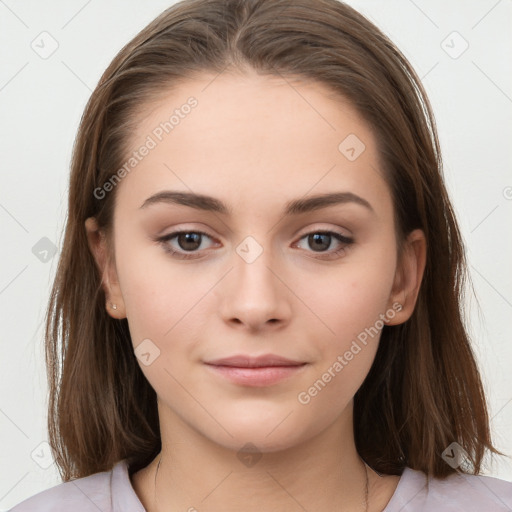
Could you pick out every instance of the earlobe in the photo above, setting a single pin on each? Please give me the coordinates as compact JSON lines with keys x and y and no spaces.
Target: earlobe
{"x":408,"y":276}
{"x":99,"y":248}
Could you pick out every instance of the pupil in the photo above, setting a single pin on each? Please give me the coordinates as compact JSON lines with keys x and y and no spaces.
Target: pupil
{"x":318,"y":242}
{"x":189,"y":238}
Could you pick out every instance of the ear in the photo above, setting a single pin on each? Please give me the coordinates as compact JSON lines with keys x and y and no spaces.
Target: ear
{"x":408,"y":277}
{"x":99,"y":249}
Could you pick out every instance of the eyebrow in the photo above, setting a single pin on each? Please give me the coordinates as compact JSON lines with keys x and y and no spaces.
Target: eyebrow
{"x":295,"y":207}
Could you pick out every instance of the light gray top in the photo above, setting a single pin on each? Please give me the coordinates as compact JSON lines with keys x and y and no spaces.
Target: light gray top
{"x":112,"y":491}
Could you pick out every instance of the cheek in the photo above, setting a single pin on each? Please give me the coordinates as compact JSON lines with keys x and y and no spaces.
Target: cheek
{"x":352,"y":296}
{"x":352,"y":313}
{"x":163,"y":305}
{"x":159,"y":295}
{"x":351,"y":304}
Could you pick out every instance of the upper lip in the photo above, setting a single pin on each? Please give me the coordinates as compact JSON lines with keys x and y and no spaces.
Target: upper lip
{"x":246,"y":361}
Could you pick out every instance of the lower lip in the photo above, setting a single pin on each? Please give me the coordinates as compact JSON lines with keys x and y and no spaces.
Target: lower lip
{"x":257,"y":377}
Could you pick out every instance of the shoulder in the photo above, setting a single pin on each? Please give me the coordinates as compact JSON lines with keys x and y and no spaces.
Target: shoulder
{"x":91,"y":493}
{"x":456,"y":492}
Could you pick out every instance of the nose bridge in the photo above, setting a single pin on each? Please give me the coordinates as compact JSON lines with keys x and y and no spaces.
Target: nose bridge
{"x":255,"y":295}
{"x":252,"y":269}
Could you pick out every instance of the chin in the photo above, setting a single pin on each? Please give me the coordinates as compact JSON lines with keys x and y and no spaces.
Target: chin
{"x":262,"y":436}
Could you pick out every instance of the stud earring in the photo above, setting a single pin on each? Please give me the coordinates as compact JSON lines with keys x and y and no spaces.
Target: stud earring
{"x":114,"y":306}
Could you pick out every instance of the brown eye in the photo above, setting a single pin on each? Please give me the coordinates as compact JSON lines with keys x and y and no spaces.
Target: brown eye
{"x":320,"y":241}
{"x":186,"y":245}
{"x":189,"y":241}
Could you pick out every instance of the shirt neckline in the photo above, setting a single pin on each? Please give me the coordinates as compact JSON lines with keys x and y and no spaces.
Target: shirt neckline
{"x":409,"y":486}
{"x":125,"y":498}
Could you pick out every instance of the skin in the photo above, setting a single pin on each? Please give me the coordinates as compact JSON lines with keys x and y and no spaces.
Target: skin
{"x":255,"y":143}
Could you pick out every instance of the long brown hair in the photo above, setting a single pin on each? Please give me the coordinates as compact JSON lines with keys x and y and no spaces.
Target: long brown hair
{"x":423,"y":391}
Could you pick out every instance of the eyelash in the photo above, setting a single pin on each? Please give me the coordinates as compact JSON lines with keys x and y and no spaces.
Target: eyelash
{"x":193,"y":255}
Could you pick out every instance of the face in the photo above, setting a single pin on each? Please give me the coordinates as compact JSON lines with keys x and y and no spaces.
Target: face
{"x":260,"y":269}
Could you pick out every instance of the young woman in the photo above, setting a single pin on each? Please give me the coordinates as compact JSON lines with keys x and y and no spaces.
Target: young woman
{"x":258,"y":300}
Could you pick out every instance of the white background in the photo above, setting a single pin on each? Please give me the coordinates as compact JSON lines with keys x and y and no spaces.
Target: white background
{"x":41,"y":101}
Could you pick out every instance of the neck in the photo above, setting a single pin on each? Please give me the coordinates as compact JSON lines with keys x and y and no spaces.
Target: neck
{"x":194,"y":473}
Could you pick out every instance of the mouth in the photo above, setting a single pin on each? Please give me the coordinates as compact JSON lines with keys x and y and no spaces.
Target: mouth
{"x":256,"y":371}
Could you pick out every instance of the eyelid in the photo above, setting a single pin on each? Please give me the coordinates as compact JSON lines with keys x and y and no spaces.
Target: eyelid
{"x":195,"y":227}
{"x":177,"y":232}
{"x":330,"y":228}
{"x":298,"y":234}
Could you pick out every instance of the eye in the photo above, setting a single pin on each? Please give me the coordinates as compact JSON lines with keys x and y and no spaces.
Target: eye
{"x":320,"y":241}
{"x":187,"y":241}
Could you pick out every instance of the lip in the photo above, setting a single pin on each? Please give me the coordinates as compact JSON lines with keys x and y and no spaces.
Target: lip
{"x":246,"y":361}
{"x":259,"y":371}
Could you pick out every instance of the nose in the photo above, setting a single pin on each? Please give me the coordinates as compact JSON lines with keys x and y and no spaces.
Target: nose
{"x":254,"y":295}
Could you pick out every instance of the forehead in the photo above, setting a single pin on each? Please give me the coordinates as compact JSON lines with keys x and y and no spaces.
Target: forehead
{"x":248,"y":138}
